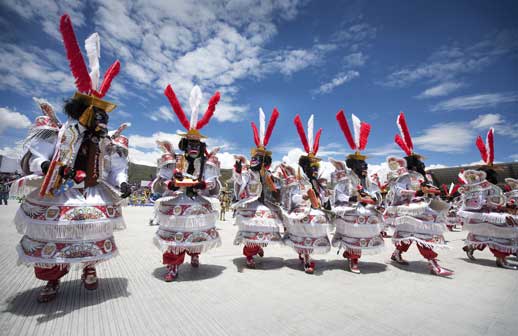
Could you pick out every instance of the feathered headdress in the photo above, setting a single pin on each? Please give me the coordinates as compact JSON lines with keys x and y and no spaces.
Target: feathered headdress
{"x":117,"y":137}
{"x":405,"y":140}
{"x":168,"y":155}
{"x":87,"y":83}
{"x":193,"y":126}
{"x":361,"y":134}
{"x":310,"y":145}
{"x":262,"y":136}
{"x":449,"y":192}
{"x":487,"y":150}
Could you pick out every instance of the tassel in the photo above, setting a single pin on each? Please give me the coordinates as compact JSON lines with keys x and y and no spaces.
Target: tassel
{"x":256,"y":135}
{"x":110,"y":74}
{"x":402,"y":144}
{"x":342,"y":121}
{"x":482,"y":148}
{"x":169,"y":93}
{"x":403,"y":128}
{"x":302,"y":134}
{"x":365,"y":130}
{"x":75,"y":58}
{"x":271,"y":125}
{"x":316,"y":145}
{"x":490,"y":141}
{"x":209,"y":112}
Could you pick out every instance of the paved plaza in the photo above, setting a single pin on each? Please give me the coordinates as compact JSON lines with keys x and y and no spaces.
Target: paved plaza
{"x":223,"y":297}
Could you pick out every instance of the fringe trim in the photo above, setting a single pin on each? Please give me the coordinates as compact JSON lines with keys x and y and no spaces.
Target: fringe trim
{"x":358,"y":230}
{"x":23,"y":259}
{"x":491,"y":217}
{"x":340,"y":211}
{"x":70,"y":230}
{"x":493,"y":245}
{"x":188,"y":223}
{"x":492,"y":230}
{"x":372,"y":250}
{"x":413,"y":209}
{"x":308,"y":250}
{"x":308,"y":230}
{"x":258,"y":224}
{"x":176,"y":248}
{"x":411,"y":224}
{"x":238,"y":241}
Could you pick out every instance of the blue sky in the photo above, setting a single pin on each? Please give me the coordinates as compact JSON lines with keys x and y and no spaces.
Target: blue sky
{"x":451,"y":66}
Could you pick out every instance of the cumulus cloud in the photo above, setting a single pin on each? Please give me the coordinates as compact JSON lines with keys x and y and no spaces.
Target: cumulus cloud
{"x":11,"y":119}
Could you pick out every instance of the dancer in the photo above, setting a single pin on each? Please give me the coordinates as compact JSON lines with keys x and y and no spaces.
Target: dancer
{"x":488,"y":214}
{"x":452,"y":196}
{"x":70,"y":219}
{"x":357,"y":220}
{"x":257,"y":217}
{"x":303,"y":201}
{"x":187,"y":221}
{"x":409,"y":201}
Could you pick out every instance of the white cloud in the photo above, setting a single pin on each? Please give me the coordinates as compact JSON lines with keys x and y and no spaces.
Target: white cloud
{"x":226,"y":159}
{"x":450,"y":62}
{"x":340,"y":79}
{"x":445,"y":138}
{"x":478,"y":101}
{"x":485,"y":121}
{"x":514,"y":157}
{"x":164,"y":113}
{"x":357,"y":59}
{"x":12,"y":119}
{"x":440,"y":90}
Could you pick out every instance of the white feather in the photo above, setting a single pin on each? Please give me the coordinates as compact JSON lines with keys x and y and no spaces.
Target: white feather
{"x":310,"y":132}
{"x":356,"y":127}
{"x":195,"y":101}
{"x":451,"y":188}
{"x":93,"y":51}
{"x":262,"y":122}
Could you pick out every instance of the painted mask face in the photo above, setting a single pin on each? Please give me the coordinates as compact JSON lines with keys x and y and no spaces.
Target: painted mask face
{"x":256,"y":162}
{"x":193,"y":148}
{"x":313,"y":169}
{"x":100,"y":123}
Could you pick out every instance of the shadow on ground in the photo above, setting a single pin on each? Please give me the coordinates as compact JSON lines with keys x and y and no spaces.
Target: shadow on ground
{"x":72,"y":296}
{"x":420,"y":267}
{"x":366,"y":267}
{"x":188,"y":273}
{"x":262,"y":264}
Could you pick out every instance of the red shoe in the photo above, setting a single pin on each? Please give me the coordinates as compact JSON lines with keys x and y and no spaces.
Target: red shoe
{"x":353,"y":266}
{"x":397,"y":257}
{"x":261,"y":252}
{"x":49,"y":292}
{"x":195,"y":260}
{"x":250,"y":262}
{"x":89,"y":278}
{"x":309,"y":268}
{"x":436,"y":269}
{"x":172,"y":271}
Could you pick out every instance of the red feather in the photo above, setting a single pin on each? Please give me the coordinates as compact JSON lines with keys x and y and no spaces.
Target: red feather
{"x":110,"y":74}
{"x":209,"y":112}
{"x":75,"y":58}
{"x":271,"y":125}
{"x":302,"y":134}
{"x":490,"y":146}
{"x":445,"y":189}
{"x":256,"y":135}
{"x":401,"y":121}
{"x":169,"y":93}
{"x":340,"y":116}
{"x":402,"y":144}
{"x":316,"y":144}
{"x":481,"y":148}
{"x":365,"y":130}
